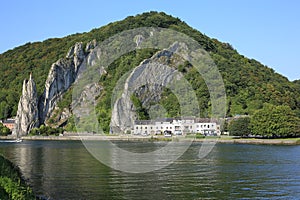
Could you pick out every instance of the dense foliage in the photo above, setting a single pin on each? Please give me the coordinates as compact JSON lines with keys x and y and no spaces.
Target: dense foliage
{"x":248,"y":83}
{"x":139,"y":108}
{"x":46,"y":131}
{"x":240,"y":127}
{"x":12,"y":186}
{"x":275,"y":121}
{"x":4,"y":131}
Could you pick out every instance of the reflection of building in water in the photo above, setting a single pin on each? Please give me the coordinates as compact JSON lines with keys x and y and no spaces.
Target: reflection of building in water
{"x":177,"y":126}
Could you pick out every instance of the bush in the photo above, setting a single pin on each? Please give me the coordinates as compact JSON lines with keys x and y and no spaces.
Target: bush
{"x":4,"y":131}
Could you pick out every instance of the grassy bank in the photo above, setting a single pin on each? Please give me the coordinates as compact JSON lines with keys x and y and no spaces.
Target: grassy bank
{"x":12,"y":185}
{"x":278,"y":141}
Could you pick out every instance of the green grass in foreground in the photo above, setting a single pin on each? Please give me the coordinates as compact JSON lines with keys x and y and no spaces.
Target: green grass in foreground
{"x":12,"y":186}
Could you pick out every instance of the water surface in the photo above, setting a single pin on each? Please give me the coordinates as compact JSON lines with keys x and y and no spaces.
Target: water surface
{"x":65,"y":170}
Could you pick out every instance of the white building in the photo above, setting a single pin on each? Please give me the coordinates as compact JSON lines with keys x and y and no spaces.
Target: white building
{"x":177,"y":126}
{"x":146,"y":127}
{"x":206,"y":126}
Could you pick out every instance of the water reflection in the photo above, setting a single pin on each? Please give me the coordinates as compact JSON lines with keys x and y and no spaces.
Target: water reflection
{"x":65,"y":170}
{"x":259,"y":171}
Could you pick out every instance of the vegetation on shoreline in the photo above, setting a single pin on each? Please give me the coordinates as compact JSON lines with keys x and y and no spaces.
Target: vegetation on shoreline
{"x":4,"y":131}
{"x":46,"y":131}
{"x":12,"y":186}
{"x":269,"y":122}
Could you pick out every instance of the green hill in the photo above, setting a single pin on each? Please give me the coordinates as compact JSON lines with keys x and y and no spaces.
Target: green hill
{"x":249,"y":84}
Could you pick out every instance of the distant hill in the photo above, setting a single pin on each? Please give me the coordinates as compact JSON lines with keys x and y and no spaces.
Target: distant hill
{"x":249,"y":84}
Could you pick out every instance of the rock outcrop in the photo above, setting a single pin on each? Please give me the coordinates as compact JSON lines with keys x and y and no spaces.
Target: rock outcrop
{"x":34,"y":111}
{"x":146,"y":82}
{"x":61,"y":76}
{"x":27,"y":114}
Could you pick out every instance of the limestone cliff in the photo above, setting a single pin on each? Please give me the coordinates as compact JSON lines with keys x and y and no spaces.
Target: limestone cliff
{"x":33,"y":111}
{"x":146,"y":81}
{"x":61,"y":75}
{"x":27,"y":114}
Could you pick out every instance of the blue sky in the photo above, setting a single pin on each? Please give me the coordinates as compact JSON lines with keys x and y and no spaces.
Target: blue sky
{"x":266,"y":30}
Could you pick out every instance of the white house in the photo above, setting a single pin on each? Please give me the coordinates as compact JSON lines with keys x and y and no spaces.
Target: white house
{"x":206,"y":126}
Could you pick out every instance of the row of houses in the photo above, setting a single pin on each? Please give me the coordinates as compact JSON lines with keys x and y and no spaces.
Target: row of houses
{"x":177,"y":126}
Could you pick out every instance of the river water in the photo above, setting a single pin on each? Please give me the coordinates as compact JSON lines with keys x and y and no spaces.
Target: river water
{"x":66,"y":170}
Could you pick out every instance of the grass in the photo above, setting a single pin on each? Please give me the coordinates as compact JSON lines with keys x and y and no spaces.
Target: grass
{"x":163,"y":139}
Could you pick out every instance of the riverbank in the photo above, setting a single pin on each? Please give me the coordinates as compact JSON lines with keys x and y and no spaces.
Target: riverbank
{"x":283,"y":141}
{"x":12,"y":185}
{"x":222,"y":139}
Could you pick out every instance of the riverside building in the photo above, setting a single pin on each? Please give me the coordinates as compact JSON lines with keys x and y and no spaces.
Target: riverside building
{"x":176,"y":126}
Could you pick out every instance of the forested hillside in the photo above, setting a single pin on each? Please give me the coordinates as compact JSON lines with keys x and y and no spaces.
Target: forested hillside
{"x":248,"y":83}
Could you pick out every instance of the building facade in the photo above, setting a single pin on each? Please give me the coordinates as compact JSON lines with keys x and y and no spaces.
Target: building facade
{"x":9,"y":123}
{"x":176,"y":126}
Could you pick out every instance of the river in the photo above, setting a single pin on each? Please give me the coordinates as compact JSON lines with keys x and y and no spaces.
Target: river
{"x":66,"y":170}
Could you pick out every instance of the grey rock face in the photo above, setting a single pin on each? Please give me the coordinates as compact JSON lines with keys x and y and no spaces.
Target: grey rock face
{"x":139,"y":39}
{"x":27,"y":114}
{"x":33,"y":111}
{"x":146,"y":81}
{"x":61,"y":76}
{"x":83,"y":108}
{"x":90,"y":46}
{"x":59,"y":117}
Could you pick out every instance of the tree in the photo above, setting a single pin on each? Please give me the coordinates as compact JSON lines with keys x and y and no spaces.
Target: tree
{"x":239,"y":127}
{"x":275,"y":121}
{"x":46,"y":131}
{"x":4,"y":110}
{"x":4,"y":131}
{"x":141,"y":111}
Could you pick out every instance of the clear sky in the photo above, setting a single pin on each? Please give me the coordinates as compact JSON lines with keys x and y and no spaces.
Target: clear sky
{"x":266,"y":30}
